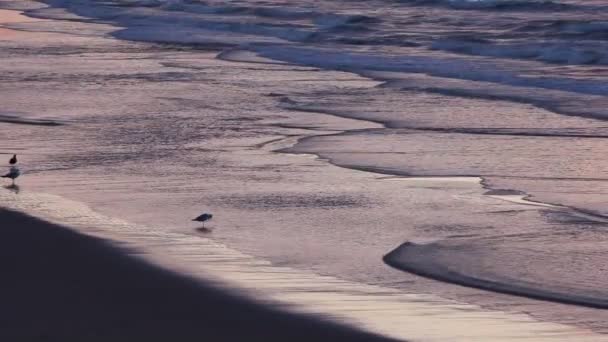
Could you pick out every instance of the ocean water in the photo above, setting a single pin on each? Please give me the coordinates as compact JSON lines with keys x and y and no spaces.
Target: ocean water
{"x":325,"y":134}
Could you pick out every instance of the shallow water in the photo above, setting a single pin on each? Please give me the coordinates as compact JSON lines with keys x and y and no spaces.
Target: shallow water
{"x":155,"y":134}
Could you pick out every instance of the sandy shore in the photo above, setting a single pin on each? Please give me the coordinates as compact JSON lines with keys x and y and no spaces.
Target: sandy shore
{"x":58,"y":285}
{"x":108,"y":89}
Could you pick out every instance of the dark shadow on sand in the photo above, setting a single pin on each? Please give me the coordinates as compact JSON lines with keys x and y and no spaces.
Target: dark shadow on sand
{"x":59,"y":285}
{"x":12,"y":187}
{"x":204,"y":230}
{"x":13,"y":119}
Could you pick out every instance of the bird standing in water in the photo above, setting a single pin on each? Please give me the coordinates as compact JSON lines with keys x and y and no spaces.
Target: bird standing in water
{"x":12,"y":174}
{"x":203,"y":218}
{"x":13,"y":160}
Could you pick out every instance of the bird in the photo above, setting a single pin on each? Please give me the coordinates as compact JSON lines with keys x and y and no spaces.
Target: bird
{"x":203,"y":218}
{"x":13,"y":160}
{"x":13,"y":173}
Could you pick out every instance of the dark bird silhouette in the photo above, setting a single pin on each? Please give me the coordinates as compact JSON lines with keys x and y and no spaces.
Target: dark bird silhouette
{"x":13,"y":160}
{"x":12,"y":173}
{"x":203,"y":218}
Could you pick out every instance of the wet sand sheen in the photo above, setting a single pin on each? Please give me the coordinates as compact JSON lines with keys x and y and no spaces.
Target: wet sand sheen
{"x":12,"y":17}
{"x":120,"y":298}
{"x":374,"y":308}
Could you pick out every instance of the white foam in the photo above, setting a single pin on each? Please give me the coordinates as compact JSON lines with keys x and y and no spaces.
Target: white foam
{"x":521,"y":199}
{"x":455,"y":179}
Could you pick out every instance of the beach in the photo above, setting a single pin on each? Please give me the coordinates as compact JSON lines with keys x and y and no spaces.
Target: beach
{"x":65,"y":286}
{"x":320,"y":159}
{"x":59,"y":285}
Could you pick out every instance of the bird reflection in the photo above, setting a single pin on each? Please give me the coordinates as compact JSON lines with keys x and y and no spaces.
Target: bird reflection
{"x":13,"y":187}
{"x":203,"y":230}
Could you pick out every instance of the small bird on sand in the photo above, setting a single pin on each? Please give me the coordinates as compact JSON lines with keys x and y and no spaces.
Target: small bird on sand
{"x":13,"y":160}
{"x":203,"y":218}
{"x":12,"y":173}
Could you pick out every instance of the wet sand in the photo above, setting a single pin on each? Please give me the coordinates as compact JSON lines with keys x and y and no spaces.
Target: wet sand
{"x":13,"y":17}
{"x":61,"y":285}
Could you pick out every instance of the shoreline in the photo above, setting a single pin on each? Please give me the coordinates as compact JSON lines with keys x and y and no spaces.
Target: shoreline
{"x":200,"y":263}
{"x":354,"y":309}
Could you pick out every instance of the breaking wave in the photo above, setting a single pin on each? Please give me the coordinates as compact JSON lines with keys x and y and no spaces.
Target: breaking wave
{"x":420,"y":259}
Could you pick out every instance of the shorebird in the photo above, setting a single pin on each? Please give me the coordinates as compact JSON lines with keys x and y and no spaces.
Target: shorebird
{"x":13,"y":160}
{"x":12,"y":173}
{"x":203,"y":218}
